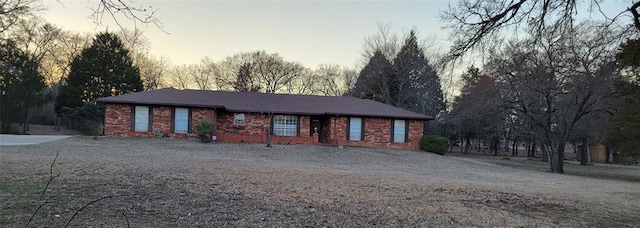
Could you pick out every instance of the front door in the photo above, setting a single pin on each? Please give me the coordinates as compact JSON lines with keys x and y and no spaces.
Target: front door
{"x":316,"y":127}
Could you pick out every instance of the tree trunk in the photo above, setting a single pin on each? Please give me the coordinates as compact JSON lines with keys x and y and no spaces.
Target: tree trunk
{"x":545,"y":154}
{"x":56,"y":122}
{"x":451,"y":146}
{"x":514,"y":148}
{"x":585,"y":154}
{"x":557,"y":157}
{"x":25,"y":124}
{"x":533,"y":149}
{"x":467,"y":146}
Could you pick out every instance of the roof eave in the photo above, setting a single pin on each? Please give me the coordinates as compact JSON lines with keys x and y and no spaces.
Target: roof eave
{"x":425,"y":118}
{"x":161,"y":103}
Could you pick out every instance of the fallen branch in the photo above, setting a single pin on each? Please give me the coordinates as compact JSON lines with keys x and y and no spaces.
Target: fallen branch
{"x":87,"y":205}
{"x":51,"y":178}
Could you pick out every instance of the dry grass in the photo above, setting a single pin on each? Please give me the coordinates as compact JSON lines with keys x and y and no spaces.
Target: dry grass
{"x":170,"y":182}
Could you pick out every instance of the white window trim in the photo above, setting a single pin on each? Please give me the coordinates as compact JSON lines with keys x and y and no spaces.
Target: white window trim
{"x":288,"y":128}
{"x":238,"y":119}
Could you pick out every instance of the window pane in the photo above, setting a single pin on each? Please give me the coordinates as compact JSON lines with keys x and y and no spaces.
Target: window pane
{"x":285,"y":125}
{"x":398,"y":131}
{"x":355,"y":128}
{"x":181,"y":124}
{"x":238,"y":119}
{"x":142,"y":118}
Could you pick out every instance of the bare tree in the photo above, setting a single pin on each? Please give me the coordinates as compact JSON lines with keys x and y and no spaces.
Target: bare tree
{"x":12,"y":11}
{"x":245,"y":82}
{"x":198,"y":76}
{"x":475,"y":113}
{"x":179,"y":78}
{"x":475,"y":21}
{"x":274,"y":72}
{"x":554,"y":84}
{"x":304,"y":83}
{"x":153,"y":72}
{"x":129,"y":9}
{"x":385,"y":41}
{"x":226,"y":77}
{"x":330,"y":80}
{"x":39,"y":38}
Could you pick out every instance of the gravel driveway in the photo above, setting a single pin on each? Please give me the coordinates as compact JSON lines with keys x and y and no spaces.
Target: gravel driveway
{"x":175,"y":182}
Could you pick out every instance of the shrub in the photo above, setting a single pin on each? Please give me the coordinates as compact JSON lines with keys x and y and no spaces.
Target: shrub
{"x":204,"y":129}
{"x":434,"y":144}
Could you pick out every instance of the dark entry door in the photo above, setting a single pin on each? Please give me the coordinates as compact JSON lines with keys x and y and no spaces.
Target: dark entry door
{"x":316,"y":127}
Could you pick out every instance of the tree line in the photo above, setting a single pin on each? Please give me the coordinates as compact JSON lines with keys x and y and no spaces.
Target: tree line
{"x":75,"y":69}
{"x":560,"y":81}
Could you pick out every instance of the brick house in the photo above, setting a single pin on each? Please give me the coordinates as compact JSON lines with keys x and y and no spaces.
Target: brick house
{"x":248,"y":116}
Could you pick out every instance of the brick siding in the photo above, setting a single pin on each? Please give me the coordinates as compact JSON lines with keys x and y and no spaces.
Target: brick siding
{"x":118,"y":121}
{"x":377,"y":132}
{"x":255,"y":129}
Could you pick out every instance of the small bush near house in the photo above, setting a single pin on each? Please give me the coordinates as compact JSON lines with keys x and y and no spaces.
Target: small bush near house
{"x":434,"y":144}
{"x":204,"y":129}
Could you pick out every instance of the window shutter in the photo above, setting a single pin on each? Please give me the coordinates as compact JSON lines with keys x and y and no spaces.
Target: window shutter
{"x":173,"y":120}
{"x":348,"y":127}
{"x":393,"y":126}
{"x":298,"y":126}
{"x":189,"y":121}
{"x":270,"y":130}
{"x":406,"y":131}
{"x":133,"y":117}
{"x":362,"y":129}
{"x":150,"y":119}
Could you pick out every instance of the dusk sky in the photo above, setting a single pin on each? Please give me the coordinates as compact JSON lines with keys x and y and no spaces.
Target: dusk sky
{"x":309,"y":32}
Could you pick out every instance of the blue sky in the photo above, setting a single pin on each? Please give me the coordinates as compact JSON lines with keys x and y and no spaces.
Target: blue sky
{"x":309,"y":32}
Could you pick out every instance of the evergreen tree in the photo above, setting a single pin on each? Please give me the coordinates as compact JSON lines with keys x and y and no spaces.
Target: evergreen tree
{"x":377,"y":81}
{"x":623,"y":130}
{"x":418,"y":83}
{"x":21,"y":85}
{"x":101,"y":70}
{"x":409,"y":82}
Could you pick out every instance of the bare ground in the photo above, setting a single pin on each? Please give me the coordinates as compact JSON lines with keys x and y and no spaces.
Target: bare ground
{"x":172,"y":182}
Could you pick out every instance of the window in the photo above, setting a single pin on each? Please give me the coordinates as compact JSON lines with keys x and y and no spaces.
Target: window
{"x":285,"y":125}
{"x":355,"y":129}
{"x":141,"y":118}
{"x":399,"y":131}
{"x":238,"y":119}
{"x":181,"y":120}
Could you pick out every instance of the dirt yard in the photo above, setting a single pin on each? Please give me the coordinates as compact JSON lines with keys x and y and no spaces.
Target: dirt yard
{"x":182,"y":183}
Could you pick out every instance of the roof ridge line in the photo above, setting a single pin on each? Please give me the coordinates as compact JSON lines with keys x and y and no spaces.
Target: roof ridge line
{"x":358,"y":100}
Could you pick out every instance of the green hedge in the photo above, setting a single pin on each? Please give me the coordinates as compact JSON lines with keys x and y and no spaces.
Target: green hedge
{"x":434,"y":144}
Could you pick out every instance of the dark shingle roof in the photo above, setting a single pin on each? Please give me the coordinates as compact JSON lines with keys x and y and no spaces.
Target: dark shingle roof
{"x":265,"y":103}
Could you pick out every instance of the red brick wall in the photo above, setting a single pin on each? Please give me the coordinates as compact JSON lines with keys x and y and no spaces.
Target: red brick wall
{"x":161,"y":119}
{"x":118,"y":121}
{"x":377,"y":130}
{"x":377,"y":133}
{"x":255,"y":130}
